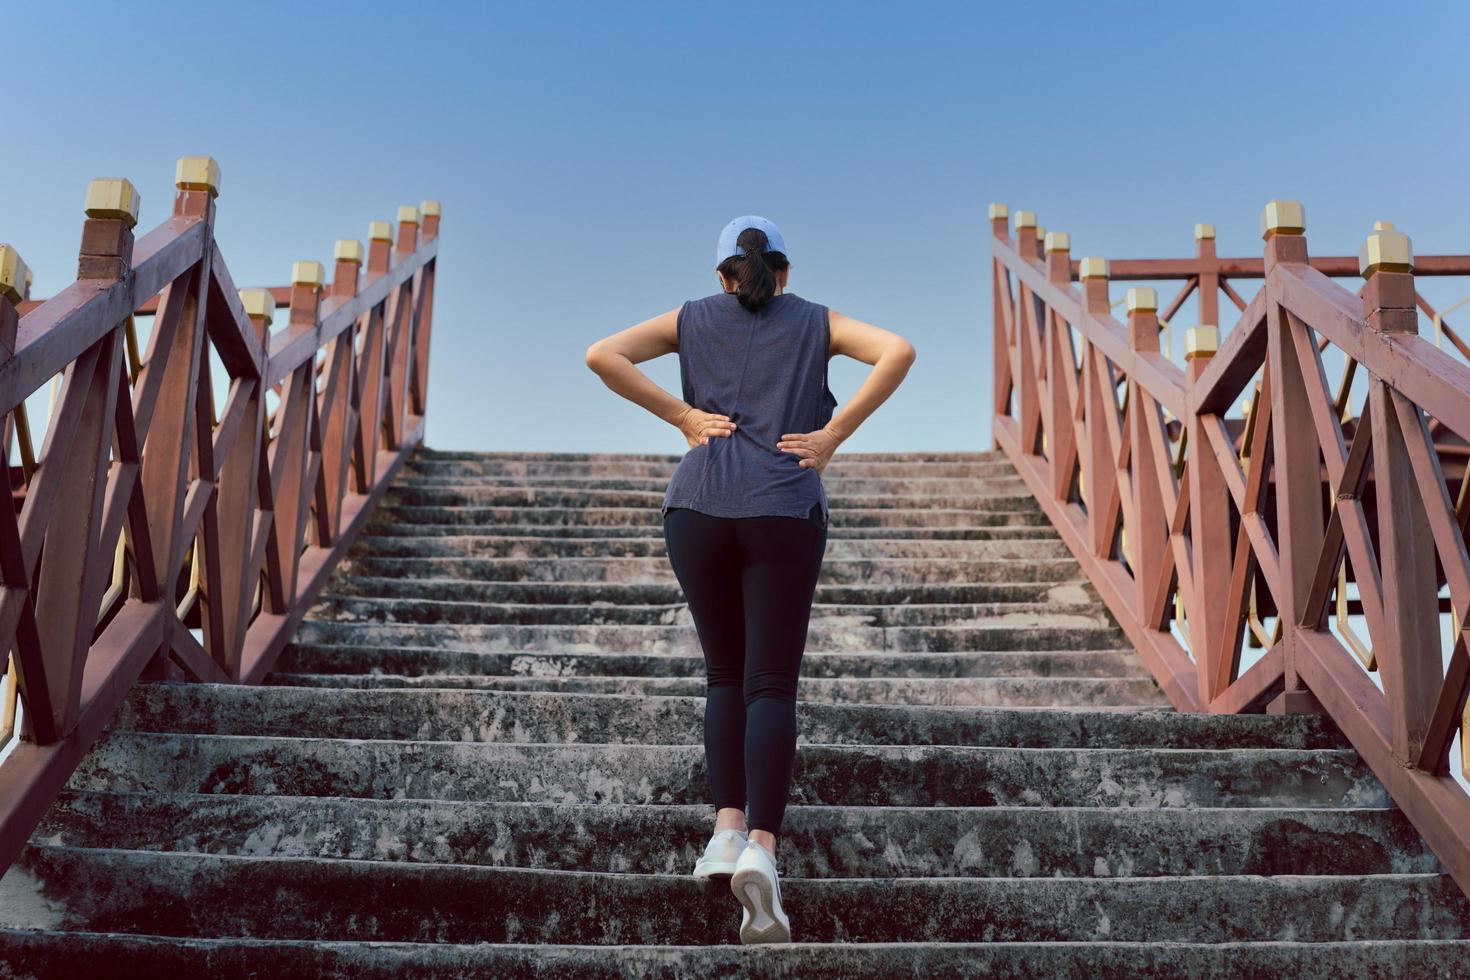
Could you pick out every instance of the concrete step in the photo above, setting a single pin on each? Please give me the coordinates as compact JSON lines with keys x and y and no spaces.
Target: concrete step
{"x":429,"y":455}
{"x":648,"y":516}
{"x":989,"y":498}
{"x":826,"y":633}
{"x":651,"y":529}
{"x":646,"y":543}
{"x":519,"y":716}
{"x":966,"y":691}
{"x":1064,"y":605}
{"x":830,"y":775}
{"x":634,"y":570}
{"x":303,"y":658}
{"x":220,"y":895}
{"x":823,"y":842}
{"x":50,"y":953}
{"x":836,"y":487}
{"x":633,"y":594}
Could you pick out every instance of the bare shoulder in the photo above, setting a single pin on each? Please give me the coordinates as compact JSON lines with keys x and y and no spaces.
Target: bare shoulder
{"x":860,"y":340}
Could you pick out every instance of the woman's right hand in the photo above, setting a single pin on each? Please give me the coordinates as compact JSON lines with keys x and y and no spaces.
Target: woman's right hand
{"x":699,"y":427}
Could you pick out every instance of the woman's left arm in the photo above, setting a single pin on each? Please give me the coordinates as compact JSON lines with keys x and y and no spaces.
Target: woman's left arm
{"x":614,"y":358}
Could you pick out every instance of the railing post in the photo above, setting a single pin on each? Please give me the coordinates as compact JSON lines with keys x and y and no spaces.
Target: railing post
{"x":1028,"y":365}
{"x":1099,"y":465}
{"x":14,"y":284}
{"x":1296,"y":457}
{"x":370,"y":364}
{"x":1146,"y":518}
{"x":1061,"y":368}
{"x":1209,"y":274}
{"x":424,"y":319}
{"x":400,"y":334}
{"x":70,"y":584}
{"x":291,"y":449}
{"x":1210,"y":545}
{"x":1409,"y":654}
{"x":1002,"y":355}
{"x":337,"y":405}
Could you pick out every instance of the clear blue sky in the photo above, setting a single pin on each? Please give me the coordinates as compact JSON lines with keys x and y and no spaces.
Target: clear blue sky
{"x":587,"y":155}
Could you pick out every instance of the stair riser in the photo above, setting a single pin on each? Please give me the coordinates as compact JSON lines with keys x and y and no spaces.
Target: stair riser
{"x":212,"y":896}
{"x":408,"y":662}
{"x":983,"y":692}
{"x":502,"y":716}
{"x":669,"y":592}
{"x":867,"y":540}
{"x":664,"y":471}
{"x":68,"y":955}
{"x":538,"y":550}
{"x":1064,"y":605}
{"x":919,"y":487}
{"x":1014,"y":497}
{"x":824,"y":775}
{"x":916,"y":572}
{"x":644,"y":516}
{"x":816,"y":842}
{"x":1015,"y":633}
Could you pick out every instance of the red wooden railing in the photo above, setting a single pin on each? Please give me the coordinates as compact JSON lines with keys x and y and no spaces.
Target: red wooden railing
{"x":152,"y":535}
{"x":1303,"y":556}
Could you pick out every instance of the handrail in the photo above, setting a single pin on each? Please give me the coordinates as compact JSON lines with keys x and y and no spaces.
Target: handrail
{"x":194,"y":535}
{"x":1196,"y":534}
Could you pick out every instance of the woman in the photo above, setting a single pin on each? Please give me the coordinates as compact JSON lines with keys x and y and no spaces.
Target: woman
{"x":745,"y":520}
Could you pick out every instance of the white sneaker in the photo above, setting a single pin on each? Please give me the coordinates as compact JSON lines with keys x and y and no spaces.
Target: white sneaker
{"x":720,"y":854}
{"x":757,"y":886}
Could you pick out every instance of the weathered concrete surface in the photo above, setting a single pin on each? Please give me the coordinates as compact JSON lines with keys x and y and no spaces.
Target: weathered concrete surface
{"x":69,"y":954}
{"x":515,"y":716}
{"x":988,"y":782}
{"x":98,"y":890}
{"x":834,"y":775}
{"x":303,"y":658}
{"x":823,"y":841}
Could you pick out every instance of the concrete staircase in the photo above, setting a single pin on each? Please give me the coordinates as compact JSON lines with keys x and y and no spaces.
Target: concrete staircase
{"x":482,"y":758}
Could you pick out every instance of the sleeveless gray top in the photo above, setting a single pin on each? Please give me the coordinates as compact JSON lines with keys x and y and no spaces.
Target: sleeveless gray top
{"x":768,"y":372}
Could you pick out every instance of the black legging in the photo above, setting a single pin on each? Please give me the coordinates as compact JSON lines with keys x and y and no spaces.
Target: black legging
{"x":749,"y":582}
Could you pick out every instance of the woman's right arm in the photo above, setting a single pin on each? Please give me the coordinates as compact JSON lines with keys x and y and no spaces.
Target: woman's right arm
{"x":891,"y":356}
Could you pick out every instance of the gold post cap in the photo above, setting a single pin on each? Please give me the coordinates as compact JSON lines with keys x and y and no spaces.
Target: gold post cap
{"x":1385,"y":251}
{"x":408,"y":215}
{"x":1025,"y":219}
{"x":999,"y":211}
{"x":1383,"y":226}
{"x":380,"y":231}
{"x":13,"y":274}
{"x":197,"y":174}
{"x":1142,"y":299}
{"x":348,"y":250}
{"x":1204,"y":230}
{"x":1283,"y":218}
{"x":113,"y":197}
{"x":307,"y":273}
{"x":429,"y":209}
{"x":259,"y":304}
{"x":1058,"y":241}
{"x":1093,"y":267}
{"x":1201,"y":341}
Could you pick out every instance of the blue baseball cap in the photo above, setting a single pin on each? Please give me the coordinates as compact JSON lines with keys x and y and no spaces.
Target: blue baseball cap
{"x":728,"y":237}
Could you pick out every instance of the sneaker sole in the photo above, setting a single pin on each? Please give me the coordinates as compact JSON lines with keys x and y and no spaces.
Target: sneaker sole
{"x":760,"y":923}
{"x":706,"y":871}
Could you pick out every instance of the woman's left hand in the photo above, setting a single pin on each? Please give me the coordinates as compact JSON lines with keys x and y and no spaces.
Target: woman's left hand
{"x":814,"y":448}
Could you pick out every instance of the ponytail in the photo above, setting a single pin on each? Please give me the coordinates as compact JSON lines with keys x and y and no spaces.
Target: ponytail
{"x":754,"y":271}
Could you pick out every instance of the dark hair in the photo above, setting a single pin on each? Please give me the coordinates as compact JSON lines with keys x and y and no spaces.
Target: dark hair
{"x":754,"y":271}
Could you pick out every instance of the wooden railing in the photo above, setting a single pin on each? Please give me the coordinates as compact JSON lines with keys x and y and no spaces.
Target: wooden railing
{"x":158,"y":534}
{"x":1306,"y":554}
